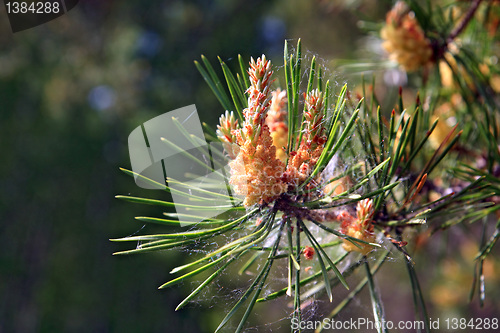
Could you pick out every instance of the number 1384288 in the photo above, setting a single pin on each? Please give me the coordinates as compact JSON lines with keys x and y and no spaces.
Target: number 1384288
{"x":47,"y":7}
{"x":472,"y":324}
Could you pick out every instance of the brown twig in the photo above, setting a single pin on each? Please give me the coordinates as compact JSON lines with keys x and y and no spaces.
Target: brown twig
{"x":468,"y":16}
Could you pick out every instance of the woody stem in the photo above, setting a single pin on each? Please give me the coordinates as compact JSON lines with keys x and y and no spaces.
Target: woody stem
{"x":458,"y":29}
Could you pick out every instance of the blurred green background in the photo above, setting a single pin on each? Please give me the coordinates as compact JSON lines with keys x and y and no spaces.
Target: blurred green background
{"x":71,"y":91}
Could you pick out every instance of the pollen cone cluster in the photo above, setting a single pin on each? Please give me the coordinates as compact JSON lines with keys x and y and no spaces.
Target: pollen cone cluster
{"x":302,"y":162}
{"x":359,"y":227}
{"x":258,"y":147}
{"x":256,"y":171}
{"x":405,"y":40}
{"x":225,"y":131}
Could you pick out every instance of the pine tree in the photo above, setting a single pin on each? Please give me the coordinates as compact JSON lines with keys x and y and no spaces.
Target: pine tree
{"x":324,"y":179}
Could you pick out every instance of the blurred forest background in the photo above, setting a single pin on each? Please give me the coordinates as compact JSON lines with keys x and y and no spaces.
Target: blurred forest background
{"x":71,"y":91}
